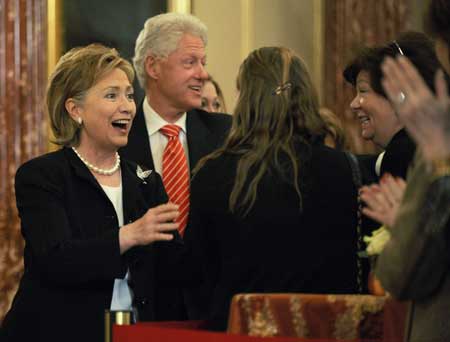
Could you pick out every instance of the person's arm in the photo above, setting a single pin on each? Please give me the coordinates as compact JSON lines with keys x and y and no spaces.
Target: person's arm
{"x":415,"y":260}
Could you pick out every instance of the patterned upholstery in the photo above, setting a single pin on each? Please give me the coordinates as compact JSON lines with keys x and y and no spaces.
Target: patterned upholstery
{"x":312,"y":316}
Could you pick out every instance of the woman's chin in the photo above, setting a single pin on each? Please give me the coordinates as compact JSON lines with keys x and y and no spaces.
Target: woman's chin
{"x":120,"y":142}
{"x":367,"y":135}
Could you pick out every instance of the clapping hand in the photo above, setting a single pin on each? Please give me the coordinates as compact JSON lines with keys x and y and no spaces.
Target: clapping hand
{"x":383,"y":200}
{"x":426,"y":116}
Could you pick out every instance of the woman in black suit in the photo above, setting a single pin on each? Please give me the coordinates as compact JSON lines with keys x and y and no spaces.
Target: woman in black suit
{"x":73,"y":201}
{"x":274,"y":210}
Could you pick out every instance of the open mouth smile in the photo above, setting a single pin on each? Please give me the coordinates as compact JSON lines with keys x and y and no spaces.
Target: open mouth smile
{"x":197,"y":89}
{"x":121,"y":124}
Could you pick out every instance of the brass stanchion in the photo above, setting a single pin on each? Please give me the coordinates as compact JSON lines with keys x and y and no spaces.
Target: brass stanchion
{"x":116,"y":317}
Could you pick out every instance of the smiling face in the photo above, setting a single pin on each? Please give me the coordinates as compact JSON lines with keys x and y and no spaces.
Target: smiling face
{"x":210,"y":99}
{"x":175,"y":82}
{"x":107,"y":111}
{"x":374,"y":112}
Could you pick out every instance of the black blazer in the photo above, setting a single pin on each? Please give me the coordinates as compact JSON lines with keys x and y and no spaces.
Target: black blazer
{"x":72,"y":253}
{"x":398,"y":155}
{"x":205,"y":132}
{"x":277,"y":247}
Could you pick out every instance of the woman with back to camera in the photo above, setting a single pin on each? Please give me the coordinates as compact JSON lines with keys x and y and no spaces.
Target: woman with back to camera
{"x":72,"y":202}
{"x":274,"y":210}
{"x":378,"y":118}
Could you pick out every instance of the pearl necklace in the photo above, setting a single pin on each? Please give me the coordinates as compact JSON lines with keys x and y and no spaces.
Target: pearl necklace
{"x":106,"y":172}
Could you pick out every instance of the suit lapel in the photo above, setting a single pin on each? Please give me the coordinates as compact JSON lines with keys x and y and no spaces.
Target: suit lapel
{"x":130,"y":193}
{"x":130,"y":185}
{"x":197,"y":138}
{"x":81,"y":170}
{"x":138,"y":148}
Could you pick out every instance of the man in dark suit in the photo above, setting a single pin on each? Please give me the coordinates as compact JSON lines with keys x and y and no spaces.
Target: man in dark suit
{"x":170,"y":63}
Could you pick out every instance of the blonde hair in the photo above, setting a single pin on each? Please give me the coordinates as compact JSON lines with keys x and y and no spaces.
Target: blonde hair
{"x":334,"y":127}
{"x":160,"y":37}
{"x":76,"y":72}
{"x":276,"y":113}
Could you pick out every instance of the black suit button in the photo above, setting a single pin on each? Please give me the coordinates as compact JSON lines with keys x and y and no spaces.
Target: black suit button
{"x":141,"y":302}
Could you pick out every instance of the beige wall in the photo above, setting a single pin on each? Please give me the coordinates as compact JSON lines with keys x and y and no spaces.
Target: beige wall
{"x":294,"y":24}
{"x":418,"y":8}
{"x":237,"y":27}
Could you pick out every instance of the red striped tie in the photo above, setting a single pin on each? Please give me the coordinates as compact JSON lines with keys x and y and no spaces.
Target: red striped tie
{"x":175,"y":173}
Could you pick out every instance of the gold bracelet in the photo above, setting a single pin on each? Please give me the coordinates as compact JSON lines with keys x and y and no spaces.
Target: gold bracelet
{"x":441,"y":167}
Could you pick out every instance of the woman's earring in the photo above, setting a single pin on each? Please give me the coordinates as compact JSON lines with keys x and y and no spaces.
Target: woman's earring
{"x":80,"y":121}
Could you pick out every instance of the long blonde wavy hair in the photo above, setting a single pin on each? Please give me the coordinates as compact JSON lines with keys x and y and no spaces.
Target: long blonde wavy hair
{"x":277,"y":110}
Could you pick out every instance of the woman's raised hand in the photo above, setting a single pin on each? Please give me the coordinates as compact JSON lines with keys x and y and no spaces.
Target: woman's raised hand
{"x":383,"y":200}
{"x":426,"y":116}
{"x":154,"y":225}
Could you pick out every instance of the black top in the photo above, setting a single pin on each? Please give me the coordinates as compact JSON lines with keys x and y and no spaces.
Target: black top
{"x":277,"y":247}
{"x":72,"y":253}
{"x":398,"y":155}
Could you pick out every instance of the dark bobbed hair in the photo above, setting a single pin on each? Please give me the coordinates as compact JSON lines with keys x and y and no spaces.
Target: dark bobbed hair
{"x":437,"y":22}
{"x":276,"y":115}
{"x":414,"y":45}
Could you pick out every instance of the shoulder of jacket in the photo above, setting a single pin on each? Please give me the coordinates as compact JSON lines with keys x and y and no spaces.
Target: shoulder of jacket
{"x":211,"y":117}
{"x":48,"y":160}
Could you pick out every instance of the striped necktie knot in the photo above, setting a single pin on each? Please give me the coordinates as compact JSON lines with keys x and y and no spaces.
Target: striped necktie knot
{"x":170,"y":131}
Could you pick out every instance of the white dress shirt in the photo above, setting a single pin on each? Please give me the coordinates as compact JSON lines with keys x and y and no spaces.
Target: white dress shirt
{"x":378,"y":163}
{"x":158,"y":141}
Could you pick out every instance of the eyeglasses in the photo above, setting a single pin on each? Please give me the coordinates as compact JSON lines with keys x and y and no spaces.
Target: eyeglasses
{"x":398,"y":47}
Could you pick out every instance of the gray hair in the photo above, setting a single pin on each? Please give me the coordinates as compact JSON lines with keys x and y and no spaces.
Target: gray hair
{"x":160,"y":37}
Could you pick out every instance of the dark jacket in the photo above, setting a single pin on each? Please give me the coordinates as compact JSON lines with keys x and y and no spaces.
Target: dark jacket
{"x":398,"y":156}
{"x":72,"y":253}
{"x":414,"y":265}
{"x":277,"y":247}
